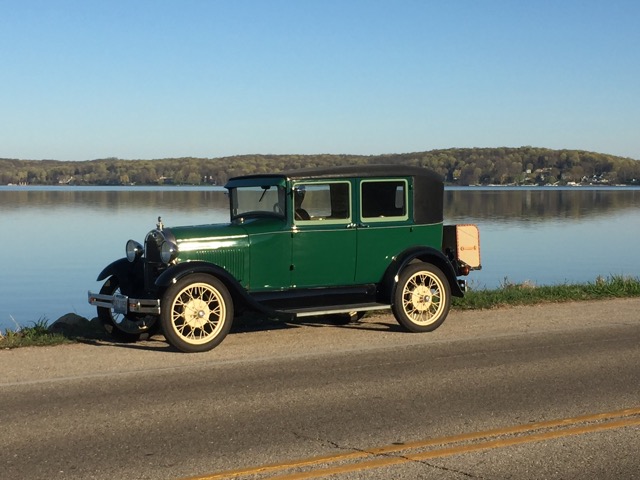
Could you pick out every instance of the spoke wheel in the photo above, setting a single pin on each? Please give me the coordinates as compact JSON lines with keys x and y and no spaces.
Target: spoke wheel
{"x":197,"y":313}
{"x":422,"y":298}
{"x":124,"y":328}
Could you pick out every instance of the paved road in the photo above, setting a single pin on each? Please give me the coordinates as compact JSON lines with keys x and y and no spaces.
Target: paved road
{"x":478,"y":398}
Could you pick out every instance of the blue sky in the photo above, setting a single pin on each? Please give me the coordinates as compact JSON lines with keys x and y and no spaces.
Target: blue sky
{"x":87,"y":79}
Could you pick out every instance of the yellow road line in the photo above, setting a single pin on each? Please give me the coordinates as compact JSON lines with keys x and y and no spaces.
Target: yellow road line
{"x":445,"y":452}
{"x":562,"y":424}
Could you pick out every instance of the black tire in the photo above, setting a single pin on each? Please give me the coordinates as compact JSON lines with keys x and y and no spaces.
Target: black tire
{"x":422,"y":298}
{"x":196,"y":313}
{"x":124,"y":328}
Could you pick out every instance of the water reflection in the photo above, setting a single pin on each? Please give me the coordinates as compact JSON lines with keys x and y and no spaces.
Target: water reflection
{"x":511,"y":205}
{"x":538,"y":205}
{"x":114,"y":199}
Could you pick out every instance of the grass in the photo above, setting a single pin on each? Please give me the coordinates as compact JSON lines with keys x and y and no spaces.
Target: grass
{"x":34,"y":336}
{"x":511,"y":294}
{"x":508,"y":294}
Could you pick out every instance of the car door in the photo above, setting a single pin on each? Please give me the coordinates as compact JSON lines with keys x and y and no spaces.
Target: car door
{"x":323,"y":235}
{"x":383,"y":226}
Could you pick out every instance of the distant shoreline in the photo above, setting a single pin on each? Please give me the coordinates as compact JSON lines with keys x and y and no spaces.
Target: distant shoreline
{"x":458,"y":166}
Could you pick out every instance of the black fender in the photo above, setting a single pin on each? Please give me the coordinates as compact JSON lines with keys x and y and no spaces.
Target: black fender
{"x":121,"y":268}
{"x":423,"y":254}
{"x":130,"y":275}
{"x":238,"y":292}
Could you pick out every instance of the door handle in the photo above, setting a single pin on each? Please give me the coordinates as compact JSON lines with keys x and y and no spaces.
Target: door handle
{"x":351,"y":225}
{"x":363,"y":225}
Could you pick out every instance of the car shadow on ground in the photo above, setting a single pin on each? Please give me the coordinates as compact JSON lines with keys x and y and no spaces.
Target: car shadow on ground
{"x":375,"y":322}
{"x":97,"y":336}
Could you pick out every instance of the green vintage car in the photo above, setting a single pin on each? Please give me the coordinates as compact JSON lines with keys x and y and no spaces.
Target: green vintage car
{"x":342,"y":240}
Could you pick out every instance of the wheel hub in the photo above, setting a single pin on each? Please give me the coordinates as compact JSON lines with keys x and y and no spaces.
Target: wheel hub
{"x":196,"y":313}
{"x":421,"y":298}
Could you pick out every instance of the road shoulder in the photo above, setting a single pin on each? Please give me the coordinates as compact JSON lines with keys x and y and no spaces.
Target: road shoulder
{"x":96,"y":359}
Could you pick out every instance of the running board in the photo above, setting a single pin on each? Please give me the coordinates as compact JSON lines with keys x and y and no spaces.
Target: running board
{"x":315,"y":311}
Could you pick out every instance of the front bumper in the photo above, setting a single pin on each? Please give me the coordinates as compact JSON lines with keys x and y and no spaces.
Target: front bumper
{"x":123,"y":304}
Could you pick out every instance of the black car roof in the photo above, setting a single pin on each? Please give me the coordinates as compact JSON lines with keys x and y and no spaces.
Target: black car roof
{"x":427,"y":192}
{"x":364,"y":171}
{"x":353,"y":171}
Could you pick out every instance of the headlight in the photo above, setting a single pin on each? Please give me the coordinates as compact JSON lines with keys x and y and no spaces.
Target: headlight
{"x":134,"y":250}
{"x":168,"y":252}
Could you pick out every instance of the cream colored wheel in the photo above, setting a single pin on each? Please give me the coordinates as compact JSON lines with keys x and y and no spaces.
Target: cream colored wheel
{"x":422,"y":298}
{"x":196,"y":313}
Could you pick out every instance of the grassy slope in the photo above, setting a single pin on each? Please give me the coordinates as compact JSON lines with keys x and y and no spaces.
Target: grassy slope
{"x":526,"y":294}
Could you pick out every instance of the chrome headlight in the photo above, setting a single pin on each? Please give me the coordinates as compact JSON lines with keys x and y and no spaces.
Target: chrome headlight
{"x":168,"y":252}
{"x":134,"y":250}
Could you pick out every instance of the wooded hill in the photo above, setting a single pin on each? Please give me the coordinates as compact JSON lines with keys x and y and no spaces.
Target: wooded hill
{"x":459,"y":166}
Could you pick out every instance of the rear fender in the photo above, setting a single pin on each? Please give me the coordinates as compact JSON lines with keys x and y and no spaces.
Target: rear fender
{"x":422,"y":254}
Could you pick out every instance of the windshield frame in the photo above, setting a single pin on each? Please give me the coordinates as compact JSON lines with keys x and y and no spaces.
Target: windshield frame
{"x":258,"y":199}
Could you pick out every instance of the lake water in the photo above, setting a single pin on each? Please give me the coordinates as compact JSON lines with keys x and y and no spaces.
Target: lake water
{"x":55,"y":240}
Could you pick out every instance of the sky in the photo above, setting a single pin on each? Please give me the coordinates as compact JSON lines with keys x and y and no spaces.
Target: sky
{"x":144,"y":79}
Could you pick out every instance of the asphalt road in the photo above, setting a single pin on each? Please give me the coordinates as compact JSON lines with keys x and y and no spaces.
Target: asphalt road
{"x":533,"y":392}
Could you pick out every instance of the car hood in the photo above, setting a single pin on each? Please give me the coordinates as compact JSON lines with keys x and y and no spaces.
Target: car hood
{"x":206,"y":237}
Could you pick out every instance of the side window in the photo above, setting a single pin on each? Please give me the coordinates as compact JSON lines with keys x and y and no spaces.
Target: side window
{"x":383,"y":200}
{"x":322,"y":202}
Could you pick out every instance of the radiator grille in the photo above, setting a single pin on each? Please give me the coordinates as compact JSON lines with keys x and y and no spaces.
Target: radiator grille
{"x":153,"y":265}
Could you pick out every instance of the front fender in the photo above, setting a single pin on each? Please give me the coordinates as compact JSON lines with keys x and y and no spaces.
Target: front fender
{"x":121,"y":268}
{"x":130,"y":275}
{"x":238,"y":292}
{"x":424,"y":254}
{"x":174,"y":273}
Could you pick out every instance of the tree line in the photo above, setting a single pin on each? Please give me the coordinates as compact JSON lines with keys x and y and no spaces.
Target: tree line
{"x":458,"y":166}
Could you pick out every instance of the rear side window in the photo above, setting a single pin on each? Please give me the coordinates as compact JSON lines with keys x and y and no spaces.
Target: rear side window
{"x":383,"y":200}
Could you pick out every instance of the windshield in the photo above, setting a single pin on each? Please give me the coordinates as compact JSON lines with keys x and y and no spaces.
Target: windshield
{"x":257,"y":201}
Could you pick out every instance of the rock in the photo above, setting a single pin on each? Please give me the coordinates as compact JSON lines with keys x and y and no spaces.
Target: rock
{"x":72,"y":325}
